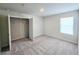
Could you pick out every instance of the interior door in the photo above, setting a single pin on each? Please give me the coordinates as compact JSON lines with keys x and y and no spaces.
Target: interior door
{"x":4,"y":32}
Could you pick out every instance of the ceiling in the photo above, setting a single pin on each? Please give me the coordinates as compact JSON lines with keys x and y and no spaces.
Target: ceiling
{"x":34,"y":8}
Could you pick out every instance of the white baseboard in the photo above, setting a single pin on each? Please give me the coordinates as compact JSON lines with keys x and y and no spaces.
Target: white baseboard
{"x":39,"y":36}
{"x":55,"y":38}
{"x":62,"y":39}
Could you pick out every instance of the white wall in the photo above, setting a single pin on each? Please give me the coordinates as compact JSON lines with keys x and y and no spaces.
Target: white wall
{"x":52,"y":26}
{"x":78,"y":32}
{"x":37,"y":26}
{"x":31,"y":28}
{"x":15,"y":14}
{"x":35,"y":22}
{"x":78,"y":37}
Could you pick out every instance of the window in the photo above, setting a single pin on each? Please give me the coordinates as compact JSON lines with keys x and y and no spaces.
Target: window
{"x":66,"y":25}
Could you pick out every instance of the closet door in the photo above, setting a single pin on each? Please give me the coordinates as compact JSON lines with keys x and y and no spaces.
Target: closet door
{"x":4,"y":31}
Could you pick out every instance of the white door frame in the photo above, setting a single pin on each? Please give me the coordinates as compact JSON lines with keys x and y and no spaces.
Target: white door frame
{"x":9,"y":32}
{"x":30,"y":29}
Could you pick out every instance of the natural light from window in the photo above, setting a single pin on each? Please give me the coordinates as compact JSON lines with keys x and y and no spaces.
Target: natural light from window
{"x":66,"y":25}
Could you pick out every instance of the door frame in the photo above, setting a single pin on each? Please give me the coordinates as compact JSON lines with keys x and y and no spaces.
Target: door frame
{"x":9,"y":32}
{"x":30,"y":28}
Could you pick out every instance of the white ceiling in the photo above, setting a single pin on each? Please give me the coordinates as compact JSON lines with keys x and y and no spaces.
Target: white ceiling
{"x":34,"y":8}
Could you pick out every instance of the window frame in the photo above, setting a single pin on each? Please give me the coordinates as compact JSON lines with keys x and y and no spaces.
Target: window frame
{"x":72,"y":26}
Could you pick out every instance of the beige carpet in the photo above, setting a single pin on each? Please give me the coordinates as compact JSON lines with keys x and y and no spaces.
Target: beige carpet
{"x":42,"y":46}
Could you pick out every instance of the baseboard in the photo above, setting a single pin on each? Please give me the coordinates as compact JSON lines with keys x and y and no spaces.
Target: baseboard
{"x":38,"y":36}
{"x":19,"y":39}
{"x":61,"y":39}
{"x":47,"y":36}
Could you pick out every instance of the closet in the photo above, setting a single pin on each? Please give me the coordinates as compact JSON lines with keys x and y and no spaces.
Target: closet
{"x":19,"y":28}
{"x":12,"y":29}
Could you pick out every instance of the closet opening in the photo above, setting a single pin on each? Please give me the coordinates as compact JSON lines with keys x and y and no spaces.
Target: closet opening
{"x":19,"y":28}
